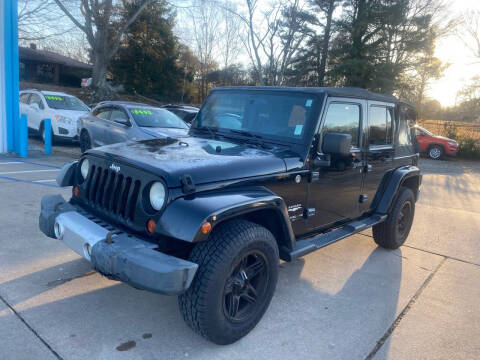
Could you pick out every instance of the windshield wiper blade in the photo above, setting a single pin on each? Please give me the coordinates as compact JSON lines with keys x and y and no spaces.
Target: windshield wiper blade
{"x":254,"y":138}
{"x":212,"y":130}
{"x":245,"y":133}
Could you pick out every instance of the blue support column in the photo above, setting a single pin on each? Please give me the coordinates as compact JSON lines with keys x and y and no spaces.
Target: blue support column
{"x":23,"y":136}
{"x":11,"y":72}
{"x":48,"y":136}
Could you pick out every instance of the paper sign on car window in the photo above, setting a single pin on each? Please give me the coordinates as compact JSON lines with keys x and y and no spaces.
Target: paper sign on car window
{"x":141,"y":112}
{"x":51,"y":97}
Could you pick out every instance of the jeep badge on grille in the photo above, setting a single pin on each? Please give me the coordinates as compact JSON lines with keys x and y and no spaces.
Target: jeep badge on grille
{"x":115,"y":168}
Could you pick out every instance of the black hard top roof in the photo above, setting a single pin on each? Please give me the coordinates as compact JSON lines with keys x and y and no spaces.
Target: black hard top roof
{"x":347,"y":92}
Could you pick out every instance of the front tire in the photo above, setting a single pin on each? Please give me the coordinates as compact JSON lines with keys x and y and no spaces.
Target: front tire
{"x":235,"y":281}
{"x":435,"y":152}
{"x":392,"y":233}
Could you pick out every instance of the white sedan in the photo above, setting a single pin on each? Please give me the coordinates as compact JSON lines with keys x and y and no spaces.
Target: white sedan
{"x":62,"y":109}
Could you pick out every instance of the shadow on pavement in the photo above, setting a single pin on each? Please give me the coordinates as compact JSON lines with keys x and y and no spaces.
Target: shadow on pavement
{"x":318,"y":311}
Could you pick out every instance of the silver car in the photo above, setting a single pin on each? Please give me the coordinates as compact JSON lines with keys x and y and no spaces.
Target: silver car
{"x":112,"y":122}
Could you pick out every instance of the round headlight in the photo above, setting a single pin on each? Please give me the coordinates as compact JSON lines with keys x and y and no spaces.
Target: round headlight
{"x":84,"y":168}
{"x":157,"y":195}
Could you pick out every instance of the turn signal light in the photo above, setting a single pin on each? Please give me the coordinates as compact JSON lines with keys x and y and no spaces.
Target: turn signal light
{"x":151,"y":226}
{"x":75,"y":191}
{"x":206,"y":227}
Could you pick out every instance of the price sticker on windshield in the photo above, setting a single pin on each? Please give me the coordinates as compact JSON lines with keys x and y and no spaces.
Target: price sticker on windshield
{"x":51,"y":97}
{"x":308,"y":103}
{"x":141,"y":112}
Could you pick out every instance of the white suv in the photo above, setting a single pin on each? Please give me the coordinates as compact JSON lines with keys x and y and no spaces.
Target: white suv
{"x":62,"y":109}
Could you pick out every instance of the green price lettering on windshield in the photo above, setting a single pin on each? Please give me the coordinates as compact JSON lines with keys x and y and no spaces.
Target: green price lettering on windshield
{"x":50,"y":97}
{"x":142,"y":112}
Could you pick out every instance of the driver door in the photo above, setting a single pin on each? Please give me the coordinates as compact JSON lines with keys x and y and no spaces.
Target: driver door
{"x":334,"y":194}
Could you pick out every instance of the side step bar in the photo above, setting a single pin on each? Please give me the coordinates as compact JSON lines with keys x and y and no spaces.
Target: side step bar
{"x":309,"y":245}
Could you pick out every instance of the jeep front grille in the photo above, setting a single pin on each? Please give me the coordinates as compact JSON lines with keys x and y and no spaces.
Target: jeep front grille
{"x":112,"y":192}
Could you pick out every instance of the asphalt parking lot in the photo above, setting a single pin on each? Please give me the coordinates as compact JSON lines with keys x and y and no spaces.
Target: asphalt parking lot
{"x":351,"y":300}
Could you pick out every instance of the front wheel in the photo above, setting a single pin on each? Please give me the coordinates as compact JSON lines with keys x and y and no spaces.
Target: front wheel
{"x":392,"y":233}
{"x":435,"y":152}
{"x":235,"y":281}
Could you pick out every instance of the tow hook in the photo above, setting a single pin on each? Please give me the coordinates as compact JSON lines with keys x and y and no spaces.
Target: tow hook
{"x":110,"y":234}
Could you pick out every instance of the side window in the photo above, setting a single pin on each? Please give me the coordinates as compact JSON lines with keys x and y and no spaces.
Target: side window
{"x":380,"y":123}
{"x":102,"y":113}
{"x":36,"y":99}
{"x":118,"y":114}
{"x":24,"y":98}
{"x":343,"y":118}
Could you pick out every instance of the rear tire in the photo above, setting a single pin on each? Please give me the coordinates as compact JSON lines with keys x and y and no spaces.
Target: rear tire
{"x":435,"y":152}
{"x":392,"y":233}
{"x":235,"y":281}
{"x":85,"y":142}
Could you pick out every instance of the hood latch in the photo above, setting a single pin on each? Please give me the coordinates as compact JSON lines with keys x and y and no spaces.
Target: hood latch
{"x":188,"y":186}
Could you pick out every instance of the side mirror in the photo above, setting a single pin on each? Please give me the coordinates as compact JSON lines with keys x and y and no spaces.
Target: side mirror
{"x":122,"y":121}
{"x":337,"y":144}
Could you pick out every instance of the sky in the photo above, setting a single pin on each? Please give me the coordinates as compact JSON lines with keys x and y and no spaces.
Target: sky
{"x":452,"y":50}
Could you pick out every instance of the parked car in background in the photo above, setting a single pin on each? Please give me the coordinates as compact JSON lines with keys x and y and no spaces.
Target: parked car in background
{"x":185,"y":112}
{"x":62,"y":109}
{"x":435,"y":146}
{"x":119,"y":121}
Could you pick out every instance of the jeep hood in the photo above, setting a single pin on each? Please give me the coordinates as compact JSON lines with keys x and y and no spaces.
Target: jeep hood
{"x":205,"y":160}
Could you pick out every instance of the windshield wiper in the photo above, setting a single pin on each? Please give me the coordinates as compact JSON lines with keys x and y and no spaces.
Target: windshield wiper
{"x":245,"y":133}
{"x":254,"y":138}
{"x":212,"y":130}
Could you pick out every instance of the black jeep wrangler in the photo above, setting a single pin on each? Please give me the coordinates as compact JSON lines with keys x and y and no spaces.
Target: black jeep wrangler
{"x":265,"y":173}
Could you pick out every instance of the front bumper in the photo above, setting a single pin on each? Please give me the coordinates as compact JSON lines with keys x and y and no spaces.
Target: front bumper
{"x":115,"y":254}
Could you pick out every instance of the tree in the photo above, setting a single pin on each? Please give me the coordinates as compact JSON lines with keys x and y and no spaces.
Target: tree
{"x":39,"y":20}
{"x":327,"y":7}
{"x":205,"y":19}
{"x":147,"y":60}
{"x":382,"y":44}
{"x":469,"y":32}
{"x":104,"y":22}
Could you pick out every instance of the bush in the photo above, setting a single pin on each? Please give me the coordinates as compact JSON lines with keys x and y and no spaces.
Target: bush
{"x":450,"y":130}
{"x":468,"y":148}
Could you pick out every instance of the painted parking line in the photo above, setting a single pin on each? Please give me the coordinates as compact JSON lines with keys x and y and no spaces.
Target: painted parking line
{"x":28,"y":181}
{"x":9,"y":160}
{"x":25,"y":171}
{"x":44,"y":181}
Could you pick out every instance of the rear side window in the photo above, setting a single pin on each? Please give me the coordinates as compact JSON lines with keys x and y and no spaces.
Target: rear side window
{"x":343,"y":118}
{"x":24,"y":98}
{"x":36,"y":99}
{"x":380,"y":123}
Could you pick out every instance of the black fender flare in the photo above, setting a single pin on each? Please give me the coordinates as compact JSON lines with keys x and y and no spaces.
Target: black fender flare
{"x":184,"y":217}
{"x":392,"y":185}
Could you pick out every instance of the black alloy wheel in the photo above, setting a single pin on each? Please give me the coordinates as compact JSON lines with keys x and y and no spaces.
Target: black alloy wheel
{"x":246,"y":287}
{"x":393,"y":232}
{"x":234,"y":283}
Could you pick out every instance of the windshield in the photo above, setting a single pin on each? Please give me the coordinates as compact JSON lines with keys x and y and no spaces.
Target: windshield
{"x":283,"y":115}
{"x":65,"y":103}
{"x":156,"y":118}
